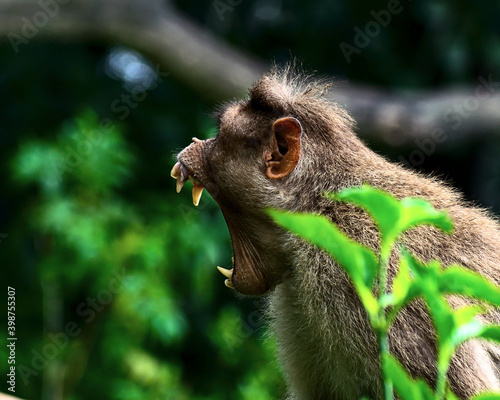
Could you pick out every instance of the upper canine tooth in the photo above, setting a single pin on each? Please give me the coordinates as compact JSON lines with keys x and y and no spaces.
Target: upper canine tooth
{"x":197,"y":191}
{"x":228,"y":273}
{"x":176,"y":170}
{"x":181,"y":180}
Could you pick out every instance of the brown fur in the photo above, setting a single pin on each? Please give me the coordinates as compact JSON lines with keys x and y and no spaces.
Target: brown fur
{"x":326,"y":345}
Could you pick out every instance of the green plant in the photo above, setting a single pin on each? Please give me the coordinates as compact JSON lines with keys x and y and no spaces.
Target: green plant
{"x":368,"y":272}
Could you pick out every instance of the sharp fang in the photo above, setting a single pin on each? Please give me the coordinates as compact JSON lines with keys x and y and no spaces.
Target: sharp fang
{"x":197,"y":191}
{"x":196,"y":140}
{"x":180,"y":182}
{"x":228,"y":273}
{"x":176,"y":170}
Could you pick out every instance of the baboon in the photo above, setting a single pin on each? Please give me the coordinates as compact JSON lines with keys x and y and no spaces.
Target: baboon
{"x":284,"y":147}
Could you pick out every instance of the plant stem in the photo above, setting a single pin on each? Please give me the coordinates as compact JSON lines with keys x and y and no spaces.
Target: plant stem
{"x":441,"y":382}
{"x":382,"y":330}
{"x":384,"y":351}
{"x":382,"y":279}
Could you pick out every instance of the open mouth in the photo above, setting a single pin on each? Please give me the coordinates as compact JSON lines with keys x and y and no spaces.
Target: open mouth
{"x":248,"y":275}
{"x":182,"y":174}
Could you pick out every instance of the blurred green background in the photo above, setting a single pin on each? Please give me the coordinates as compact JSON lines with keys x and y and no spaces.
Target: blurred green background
{"x":117,"y":294}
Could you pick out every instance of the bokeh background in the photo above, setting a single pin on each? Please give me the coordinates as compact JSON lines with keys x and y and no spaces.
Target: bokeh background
{"x":117,"y":294}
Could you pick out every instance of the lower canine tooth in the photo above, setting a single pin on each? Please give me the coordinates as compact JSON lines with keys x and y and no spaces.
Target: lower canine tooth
{"x":197,"y":191}
{"x":228,"y":273}
{"x":228,"y":283}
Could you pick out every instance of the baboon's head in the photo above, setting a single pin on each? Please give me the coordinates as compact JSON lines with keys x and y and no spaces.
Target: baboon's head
{"x":275,"y":149}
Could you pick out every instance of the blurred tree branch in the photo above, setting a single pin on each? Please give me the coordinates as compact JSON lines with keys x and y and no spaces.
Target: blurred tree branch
{"x":219,"y":71}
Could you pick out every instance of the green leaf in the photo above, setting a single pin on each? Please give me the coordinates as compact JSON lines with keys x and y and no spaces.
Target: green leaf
{"x":459,"y":280}
{"x":456,"y":279}
{"x":359,"y":261}
{"x":382,"y":207}
{"x":487,"y":396}
{"x":405,"y":288}
{"x":418,"y":211}
{"x":404,"y":385}
{"x":453,"y":326}
{"x":491,"y":332}
{"x":450,"y":395}
{"x":426,"y":277}
{"x":465,"y":324}
{"x":369,"y":302}
{"x":402,"y":281}
{"x":392,"y":216}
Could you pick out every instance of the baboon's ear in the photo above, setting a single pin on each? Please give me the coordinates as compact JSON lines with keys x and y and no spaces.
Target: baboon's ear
{"x":285,"y":151}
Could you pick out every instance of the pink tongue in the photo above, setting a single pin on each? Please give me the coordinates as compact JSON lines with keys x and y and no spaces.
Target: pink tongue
{"x":184,"y":172}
